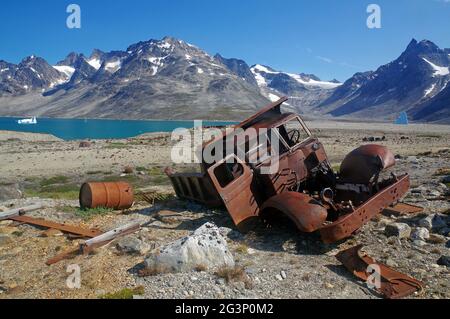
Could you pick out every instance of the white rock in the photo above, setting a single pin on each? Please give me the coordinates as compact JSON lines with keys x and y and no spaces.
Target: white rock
{"x":420,"y":233}
{"x":400,"y":230}
{"x":283,"y":274}
{"x":206,"y":247}
{"x":133,"y":245}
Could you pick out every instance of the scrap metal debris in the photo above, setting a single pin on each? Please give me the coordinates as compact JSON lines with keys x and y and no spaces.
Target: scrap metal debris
{"x":304,"y":187}
{"x":403,"y":208}
{"x":393,"y":284}
{"x":71,"y":229}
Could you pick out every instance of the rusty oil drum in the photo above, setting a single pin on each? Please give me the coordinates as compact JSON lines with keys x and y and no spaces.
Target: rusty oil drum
{"x":115,"y":195}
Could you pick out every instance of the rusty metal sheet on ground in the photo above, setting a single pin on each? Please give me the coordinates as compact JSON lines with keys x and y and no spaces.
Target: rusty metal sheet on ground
{"x":393,"y":284}
{"x":404,"y":208}
{"x":90,"y":233}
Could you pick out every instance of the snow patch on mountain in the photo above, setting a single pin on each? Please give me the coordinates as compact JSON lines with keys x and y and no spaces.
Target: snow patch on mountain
{"x":68,"y":71}
{"x":113,"y":66}
{"x":258,"y":71}
{"x":96,"y":63}
{"x":438,"y":70}
{"x":429,"y":90}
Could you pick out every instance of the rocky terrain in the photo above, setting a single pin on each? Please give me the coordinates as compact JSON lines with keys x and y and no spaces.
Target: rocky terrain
{"x":276,"y":262}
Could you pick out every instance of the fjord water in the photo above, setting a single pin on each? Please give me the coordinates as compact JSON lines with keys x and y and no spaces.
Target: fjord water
{"x":77,"y":129}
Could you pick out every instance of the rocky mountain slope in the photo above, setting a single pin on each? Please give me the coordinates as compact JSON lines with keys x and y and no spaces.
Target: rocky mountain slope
{"x":305,"y":91}
{"x":416,"y":82}
{"x":166,"y":78}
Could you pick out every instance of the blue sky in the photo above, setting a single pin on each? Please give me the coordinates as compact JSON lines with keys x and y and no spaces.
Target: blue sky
{"x":326,"y":37}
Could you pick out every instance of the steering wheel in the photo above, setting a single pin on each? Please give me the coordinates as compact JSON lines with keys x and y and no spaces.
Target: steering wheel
{"x":294,"y":136}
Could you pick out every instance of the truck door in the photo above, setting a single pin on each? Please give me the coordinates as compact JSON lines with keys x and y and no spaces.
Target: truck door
{"x":234,"y":182}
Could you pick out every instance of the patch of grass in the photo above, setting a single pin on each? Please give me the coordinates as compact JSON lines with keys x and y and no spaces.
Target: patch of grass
{"x":69,"y":192}
{"x":155,"y":171}
{"x":54,"y":180}
{"x":90,"y":213}
{"x":126,"y":293}
{"x":242,"y":249}
{"x":116,"y":145}
{"x":234,"y":274}
{"x":141,"y":169}
{"x":160,"y":180}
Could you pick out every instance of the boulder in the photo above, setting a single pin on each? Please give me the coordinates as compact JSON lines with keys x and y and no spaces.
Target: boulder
{"x":133,"y":245}
{"x":85,"y":144}
{"x":205,"y":247}
{"x":399,"y":230}
{"x":9,"y":191}
{"x":434,"y":222}
{"x":444,"y":261}
{"x":420,"y":233}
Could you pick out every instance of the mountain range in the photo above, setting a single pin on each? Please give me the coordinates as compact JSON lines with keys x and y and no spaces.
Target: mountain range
{"x":172,"y":79}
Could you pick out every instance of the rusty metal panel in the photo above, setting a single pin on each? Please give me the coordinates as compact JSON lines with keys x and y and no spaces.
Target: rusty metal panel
{"x":365,"y":163}
{"x":307,"y":213}
{"x":236,"y":188}
{"x":393,"y":284}
{"x":196,"y":187}
{"x":76,"y":230}
{"x":404,"y":208}
{"x":345,"y":226}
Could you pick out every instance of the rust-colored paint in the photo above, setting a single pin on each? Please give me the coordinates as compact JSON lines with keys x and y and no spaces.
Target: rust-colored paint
{"x":194,"y":186}
{"x":346,"y":225}
{"x":404,"y":208}
{"x":393,"y":284}
{"x":365,"y":163}
{"x":306,"y":212}
{"x":76,"y":230}
{"x":115,"y":195}
{"x":297,"y":187}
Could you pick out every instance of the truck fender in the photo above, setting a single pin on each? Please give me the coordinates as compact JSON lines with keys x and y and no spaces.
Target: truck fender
{"x":306,"y":212}
{"x":365,"y":163}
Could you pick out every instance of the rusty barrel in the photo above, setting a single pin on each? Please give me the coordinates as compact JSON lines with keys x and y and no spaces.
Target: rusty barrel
{"x":115,"y":195}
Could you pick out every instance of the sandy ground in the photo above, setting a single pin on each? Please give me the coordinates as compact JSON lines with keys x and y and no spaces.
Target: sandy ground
{"x":27,"y":160}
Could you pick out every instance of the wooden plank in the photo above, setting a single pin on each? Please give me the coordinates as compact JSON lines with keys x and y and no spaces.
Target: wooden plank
{"x":109,"y":236}
{"x":65,"y":255}
{"x":90,"y":233}
{"x":19,"y":211}
{"x":95,"y":242}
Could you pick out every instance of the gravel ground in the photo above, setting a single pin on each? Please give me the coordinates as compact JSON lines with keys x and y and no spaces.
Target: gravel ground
{"x":278,"y":262}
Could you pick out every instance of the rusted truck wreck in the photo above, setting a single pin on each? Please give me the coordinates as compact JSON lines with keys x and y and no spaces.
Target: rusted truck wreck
{"x":304,"y":186}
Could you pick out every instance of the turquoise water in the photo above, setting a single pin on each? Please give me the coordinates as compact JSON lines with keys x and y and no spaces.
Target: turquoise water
{"x":77,"y":129}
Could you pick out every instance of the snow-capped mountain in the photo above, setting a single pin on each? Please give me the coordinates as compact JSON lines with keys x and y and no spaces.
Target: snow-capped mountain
{"x":172,"y":79}
{"x":305,"y":91}
{"x":166,"y":78}
{"x":416,"y":82}
{"x":32,"y":74}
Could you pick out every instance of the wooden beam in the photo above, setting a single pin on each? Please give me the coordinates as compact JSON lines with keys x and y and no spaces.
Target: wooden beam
{"x":20,"y":211}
